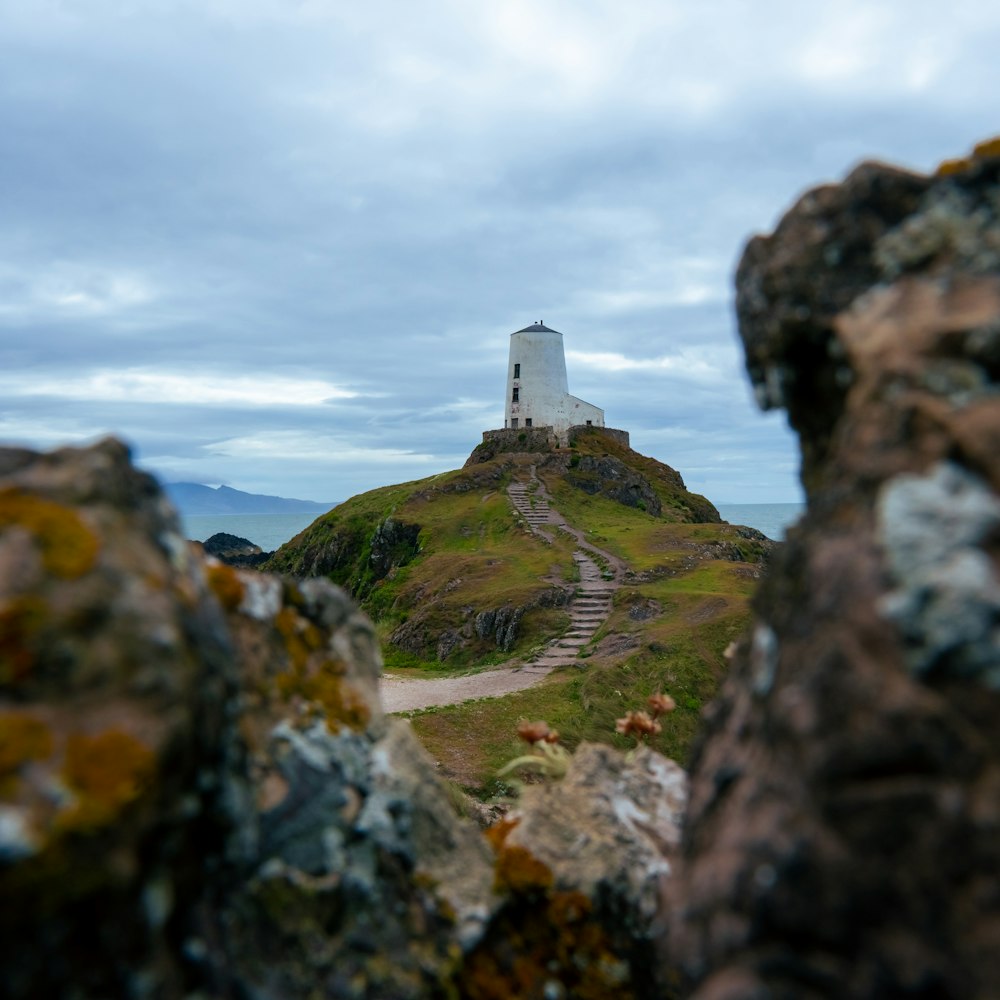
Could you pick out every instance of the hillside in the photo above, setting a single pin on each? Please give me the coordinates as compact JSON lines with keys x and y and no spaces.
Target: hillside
{"x":437,"y":563}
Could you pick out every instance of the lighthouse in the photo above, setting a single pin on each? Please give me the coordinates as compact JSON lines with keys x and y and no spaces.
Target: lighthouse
{"x":537,"y":390}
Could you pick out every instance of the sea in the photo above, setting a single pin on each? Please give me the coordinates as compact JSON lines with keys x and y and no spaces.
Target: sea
{"x":771,"y":518}
{"x":269,"y":531}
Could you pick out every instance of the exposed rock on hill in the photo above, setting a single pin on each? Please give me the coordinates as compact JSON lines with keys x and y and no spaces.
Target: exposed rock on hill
{"x":842,"y":838}
{"x":235,"y":551}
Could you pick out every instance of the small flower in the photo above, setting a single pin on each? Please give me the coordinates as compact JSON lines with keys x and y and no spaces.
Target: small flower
{"x":660,"y":704}
{"x":552,"y":736}
{"x":535,"y":732}
{"x":638,"y":724}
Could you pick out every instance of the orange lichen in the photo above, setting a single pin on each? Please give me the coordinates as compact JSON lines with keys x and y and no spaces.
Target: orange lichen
{"x":69,"y":547}
{"x":20,"y":619}
{"x":106,"y":771}
{"x":226,"y":586}
{"x":301,"y":637}
{"x":325,"y":688}
{"x":519,"y":871}
{"x":954,"y":166}
{"x":542,"y":938}
{"x":985,"y":150}
{"x":342,"y":705}
{"x":22,"y":738}
{"x":498,"y":832}
{"x":549,"y":940}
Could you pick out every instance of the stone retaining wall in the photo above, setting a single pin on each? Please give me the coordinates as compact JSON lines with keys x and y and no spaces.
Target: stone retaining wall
{"x":544,"y":438}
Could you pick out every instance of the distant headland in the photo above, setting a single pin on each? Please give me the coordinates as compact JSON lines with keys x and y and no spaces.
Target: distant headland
{"x":196,"y":500}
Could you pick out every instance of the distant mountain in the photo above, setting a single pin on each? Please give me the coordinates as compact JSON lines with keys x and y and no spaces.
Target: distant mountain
{"x":194,"y":499}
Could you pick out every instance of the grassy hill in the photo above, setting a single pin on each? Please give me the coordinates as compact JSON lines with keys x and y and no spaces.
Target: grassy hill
{"x":432,"y":560}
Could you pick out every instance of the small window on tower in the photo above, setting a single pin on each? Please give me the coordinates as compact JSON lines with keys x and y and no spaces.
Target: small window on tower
{"x":589,"y":424}
{"x":527,"y":423}
{"x":513,"y":423}
{"x":517,"y":392}
{"x":517,"y":371}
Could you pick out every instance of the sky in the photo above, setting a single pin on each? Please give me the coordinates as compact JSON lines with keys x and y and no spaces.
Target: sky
{"x":282,"y":244}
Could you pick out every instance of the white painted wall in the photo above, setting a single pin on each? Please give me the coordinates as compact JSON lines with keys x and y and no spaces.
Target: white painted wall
{"x":543,"y":392}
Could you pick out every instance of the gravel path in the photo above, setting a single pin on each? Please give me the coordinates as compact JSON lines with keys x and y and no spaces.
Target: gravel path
{"x":406,"y":694}
{"x":600,"y":576}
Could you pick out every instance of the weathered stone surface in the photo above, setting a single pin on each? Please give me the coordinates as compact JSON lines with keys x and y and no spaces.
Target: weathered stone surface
{"x":198,"y":787}
{"x":585,"y":860}
{"x":609,"y":830}
{"x":393,"y":544}
{"x":613,"y":479}
{"x":119,"y":756}
{"x":843,"y":837}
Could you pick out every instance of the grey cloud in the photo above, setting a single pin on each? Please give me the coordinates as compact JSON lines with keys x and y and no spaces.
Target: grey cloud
{"x":264,"y":189}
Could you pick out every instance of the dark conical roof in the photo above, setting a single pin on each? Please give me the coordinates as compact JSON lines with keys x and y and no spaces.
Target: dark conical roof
{"x":538,"y":327}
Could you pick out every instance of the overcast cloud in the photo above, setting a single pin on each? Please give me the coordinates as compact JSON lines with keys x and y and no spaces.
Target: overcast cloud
{"x":281,"y":244}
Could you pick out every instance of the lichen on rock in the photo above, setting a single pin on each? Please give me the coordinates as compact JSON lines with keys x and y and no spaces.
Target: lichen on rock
{"x":853,"y":745}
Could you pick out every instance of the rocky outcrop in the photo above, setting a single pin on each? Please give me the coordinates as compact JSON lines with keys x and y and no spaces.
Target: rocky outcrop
{"x":609,"y":477}
{"x":120,"y":759}
{"x":198,"y":788}
{"x":608,"y":832}
{"x":200,"y":794}
{"x":842,"y":837}
{"x":393,"y":544}
{"x":494,"y":628}
{"x":235,"y":551}
{"x":356,"y":555}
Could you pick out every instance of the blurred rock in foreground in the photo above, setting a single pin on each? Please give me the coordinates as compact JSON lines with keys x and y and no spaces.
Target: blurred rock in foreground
{"x":843,"y":837}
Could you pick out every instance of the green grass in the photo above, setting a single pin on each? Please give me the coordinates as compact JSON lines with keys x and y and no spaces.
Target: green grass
{"x":472,"y":741}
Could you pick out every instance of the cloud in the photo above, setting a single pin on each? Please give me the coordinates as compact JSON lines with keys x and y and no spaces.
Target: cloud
{"x":157,"y":387}
{"x":286,"y":446}
{"x":284,"y":244}
{"x":686,"y":365}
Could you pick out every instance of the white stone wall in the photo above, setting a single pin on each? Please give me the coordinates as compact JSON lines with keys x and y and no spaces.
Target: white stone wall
{"x":536,"y":368}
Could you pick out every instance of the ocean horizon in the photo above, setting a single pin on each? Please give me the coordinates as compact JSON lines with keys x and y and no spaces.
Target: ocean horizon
{"x":774,"y":519}
{"x":270,"y":531}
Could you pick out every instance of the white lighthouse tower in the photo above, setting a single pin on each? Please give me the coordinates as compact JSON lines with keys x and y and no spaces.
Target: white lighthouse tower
{"x":537,"y":391}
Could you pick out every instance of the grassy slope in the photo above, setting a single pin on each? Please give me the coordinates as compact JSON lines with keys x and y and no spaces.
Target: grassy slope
{"x":684,"y":600}
{"x":473,"y":553}
{"x":678,"y":650}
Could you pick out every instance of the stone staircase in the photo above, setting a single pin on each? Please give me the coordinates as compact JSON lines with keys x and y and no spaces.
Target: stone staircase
{"x":529,"y":504}
{"x":592,"y":602}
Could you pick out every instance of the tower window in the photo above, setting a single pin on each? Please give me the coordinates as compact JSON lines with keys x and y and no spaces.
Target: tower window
{"x":517,"y":370}
{"x":517,"y":393}
{"x":513,"y":423}
{"x":527,"y":422}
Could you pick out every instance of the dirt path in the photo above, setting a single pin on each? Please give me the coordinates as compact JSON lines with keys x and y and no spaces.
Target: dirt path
{"x":600,"y":576}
